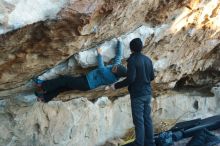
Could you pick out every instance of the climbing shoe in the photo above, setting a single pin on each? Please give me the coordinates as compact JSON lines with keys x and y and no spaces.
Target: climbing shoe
{"x":38,"y":85}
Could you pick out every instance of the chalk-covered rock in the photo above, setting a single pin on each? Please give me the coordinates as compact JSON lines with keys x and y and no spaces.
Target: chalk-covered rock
{"x":19,"y":13}
{"x":89,"y":57}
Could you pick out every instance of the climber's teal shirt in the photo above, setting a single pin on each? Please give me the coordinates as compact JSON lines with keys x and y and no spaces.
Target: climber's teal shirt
{"x":103,"y":74}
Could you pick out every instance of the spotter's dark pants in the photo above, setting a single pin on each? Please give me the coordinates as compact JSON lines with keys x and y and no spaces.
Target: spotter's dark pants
{"x":141,"y":113}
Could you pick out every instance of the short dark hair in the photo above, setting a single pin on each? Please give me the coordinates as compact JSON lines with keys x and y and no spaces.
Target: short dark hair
{"x":136,"y":45}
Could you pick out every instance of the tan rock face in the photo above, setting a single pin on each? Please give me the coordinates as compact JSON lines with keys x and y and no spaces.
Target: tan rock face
{"x":79,"y":24}
{"x":191,"y":37}
{"x":60,"y":37}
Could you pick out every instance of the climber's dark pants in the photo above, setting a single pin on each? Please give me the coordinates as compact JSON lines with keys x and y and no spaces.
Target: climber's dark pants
{"x":63,"y":83}
{"x":141,"y":113}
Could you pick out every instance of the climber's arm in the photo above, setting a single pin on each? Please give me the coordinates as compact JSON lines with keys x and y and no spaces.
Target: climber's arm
{"x":119,"y":49}
{"x":100,"y":58}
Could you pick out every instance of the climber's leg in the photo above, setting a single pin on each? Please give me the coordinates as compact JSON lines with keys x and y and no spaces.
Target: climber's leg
{"x":64,"y":83}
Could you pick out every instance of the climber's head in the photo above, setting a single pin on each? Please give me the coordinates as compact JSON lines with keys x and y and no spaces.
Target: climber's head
{"x":119,"y":70}
{"x":136,"y":45}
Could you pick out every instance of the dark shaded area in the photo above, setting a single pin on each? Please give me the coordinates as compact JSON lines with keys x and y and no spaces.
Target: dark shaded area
{"x":198,"y":129}
{"x":199,"y":83}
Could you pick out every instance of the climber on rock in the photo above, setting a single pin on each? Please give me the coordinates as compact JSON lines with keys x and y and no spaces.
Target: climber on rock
{"x":102,"y":75}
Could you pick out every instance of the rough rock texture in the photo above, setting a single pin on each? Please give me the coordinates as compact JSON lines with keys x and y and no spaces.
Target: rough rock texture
{"x":174,"y":107}
{"x":43,"y":44}
{"x":48,"y":38}
{"x":76,"y":122}
{"x":81,"y":122}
